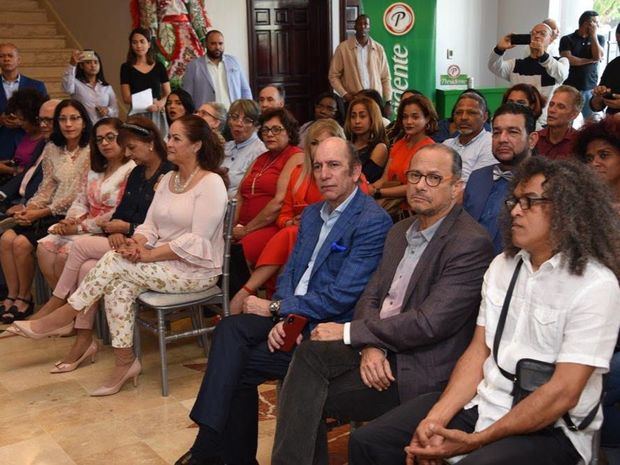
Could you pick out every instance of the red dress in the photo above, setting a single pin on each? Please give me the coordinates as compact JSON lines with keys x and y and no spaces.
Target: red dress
{"x":257,"y":189}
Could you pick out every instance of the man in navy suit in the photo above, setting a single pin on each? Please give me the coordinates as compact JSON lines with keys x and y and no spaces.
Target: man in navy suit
{"x":216,"y":77}
{"x":10,"y":132}
{"x":339,"y":245}
{"x":513,"y":139}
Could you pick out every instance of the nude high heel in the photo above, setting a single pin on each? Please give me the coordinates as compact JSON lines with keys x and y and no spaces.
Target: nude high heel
{"x":132,"y":373}
{"x":61,"y":367}
{"x":25,"y":330}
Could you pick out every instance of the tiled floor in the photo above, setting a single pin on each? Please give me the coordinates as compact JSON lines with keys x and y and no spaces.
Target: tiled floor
{"x":49,"y":419}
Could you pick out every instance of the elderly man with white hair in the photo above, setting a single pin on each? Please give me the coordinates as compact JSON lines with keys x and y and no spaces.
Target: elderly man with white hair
{"x":538,"y":69}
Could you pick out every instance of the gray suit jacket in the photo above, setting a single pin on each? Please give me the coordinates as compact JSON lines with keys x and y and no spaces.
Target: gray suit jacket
{"x":197,"y":81}
{"x":440,"y":307}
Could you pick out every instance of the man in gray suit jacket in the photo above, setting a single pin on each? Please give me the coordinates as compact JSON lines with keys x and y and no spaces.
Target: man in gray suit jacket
{"x":412,"y":323}
{"x":216,"y":77}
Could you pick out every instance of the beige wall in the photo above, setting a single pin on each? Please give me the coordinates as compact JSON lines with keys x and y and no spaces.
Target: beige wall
{"x":102,"y":25}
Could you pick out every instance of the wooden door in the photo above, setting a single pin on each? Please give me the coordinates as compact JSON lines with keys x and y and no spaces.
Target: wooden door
{"x":349,"y":11}
{"x":290,"y":45}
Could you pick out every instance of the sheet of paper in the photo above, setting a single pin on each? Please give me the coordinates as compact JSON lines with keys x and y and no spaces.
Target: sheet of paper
{"x":140,"y":101}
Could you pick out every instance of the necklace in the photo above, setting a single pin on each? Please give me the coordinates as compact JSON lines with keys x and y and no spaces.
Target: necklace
{"x":261,"y":172}
{"x":178,"y":188}
{"x":71,"y":153}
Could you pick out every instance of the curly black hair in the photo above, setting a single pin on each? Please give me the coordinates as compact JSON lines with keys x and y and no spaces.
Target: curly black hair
{"x":27,"y":102}
{"x":607,"y":129}
{"x":584,"y":223}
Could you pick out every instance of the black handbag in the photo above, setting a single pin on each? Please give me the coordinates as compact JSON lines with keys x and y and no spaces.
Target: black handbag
{"x":530,"y":374}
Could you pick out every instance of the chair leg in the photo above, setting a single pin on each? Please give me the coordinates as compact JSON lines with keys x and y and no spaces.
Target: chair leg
{"x":161,"y":333}
{"x":137,"y":345}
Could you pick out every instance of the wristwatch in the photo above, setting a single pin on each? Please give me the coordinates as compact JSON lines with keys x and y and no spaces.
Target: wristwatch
{"x":274,"y":309}
{"x":377,"y":194}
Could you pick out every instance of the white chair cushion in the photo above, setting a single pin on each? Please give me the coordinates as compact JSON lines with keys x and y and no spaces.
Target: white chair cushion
{"x":158,"y":299}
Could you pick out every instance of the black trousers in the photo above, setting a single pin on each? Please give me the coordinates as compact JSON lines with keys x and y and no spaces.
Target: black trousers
{"x":383,"y":440}
{"x":323,"y":381}
{"x":227,"y":402}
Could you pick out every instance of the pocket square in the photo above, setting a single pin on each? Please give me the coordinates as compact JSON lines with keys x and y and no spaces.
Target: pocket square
{"x":335,"y":247}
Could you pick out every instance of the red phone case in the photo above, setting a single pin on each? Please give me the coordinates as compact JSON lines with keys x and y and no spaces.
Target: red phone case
{"x":293,"y":326}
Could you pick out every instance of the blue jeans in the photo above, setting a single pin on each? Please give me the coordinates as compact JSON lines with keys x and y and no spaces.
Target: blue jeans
{"x":610,"y":436}
{"x":586,"y":111}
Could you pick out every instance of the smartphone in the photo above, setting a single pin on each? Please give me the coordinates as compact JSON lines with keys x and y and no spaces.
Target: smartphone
{"x":609,"y":95}
{"x":88,"y":55}
{"x":293,"y":326}
{"x":520,"y":39}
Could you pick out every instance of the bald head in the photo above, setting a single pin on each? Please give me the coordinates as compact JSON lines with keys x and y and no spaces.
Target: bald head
{"x":555,"y":29}
{"x":46,"y":116}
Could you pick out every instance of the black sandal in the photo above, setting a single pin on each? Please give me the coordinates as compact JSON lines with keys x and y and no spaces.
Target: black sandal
{"x":4,"y":309}
{"x":13,"y":314}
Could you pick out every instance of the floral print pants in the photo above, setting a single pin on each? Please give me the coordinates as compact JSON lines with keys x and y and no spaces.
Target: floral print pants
{"x":120,"y":282}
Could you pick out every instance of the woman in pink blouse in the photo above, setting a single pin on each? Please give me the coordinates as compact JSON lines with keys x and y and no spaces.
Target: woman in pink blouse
{"x":178,"y":248}
{"x":94,"y":205}
{"x":66,"y":161}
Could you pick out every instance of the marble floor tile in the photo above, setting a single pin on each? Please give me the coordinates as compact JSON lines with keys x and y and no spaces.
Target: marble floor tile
{"x":40,"y":450}
{"x":137,"y":453}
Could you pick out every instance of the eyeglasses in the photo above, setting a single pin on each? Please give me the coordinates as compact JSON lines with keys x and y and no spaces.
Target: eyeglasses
{"x":45,"y":121}
{"x":109,"y":138}
{"x":275,"y":130}
{"x":235,"y":117}
{"x":203,"y":113}
{"x":320,"y":106}
{"x":524,"y":202}
{"x":431,"y":179}
{"x":71,"y":118}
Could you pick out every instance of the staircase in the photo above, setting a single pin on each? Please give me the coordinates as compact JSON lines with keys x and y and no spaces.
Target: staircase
{"x":44,"y":51}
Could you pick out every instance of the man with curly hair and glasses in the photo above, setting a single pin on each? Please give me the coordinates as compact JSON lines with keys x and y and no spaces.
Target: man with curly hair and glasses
{"x":549,"y":311}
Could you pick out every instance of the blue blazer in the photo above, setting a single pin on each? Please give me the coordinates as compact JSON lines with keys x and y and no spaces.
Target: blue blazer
{"x":10,"y":137}
{"x":477,"y":192}
{"x":197,"y":81}
{"x":343,"y":266}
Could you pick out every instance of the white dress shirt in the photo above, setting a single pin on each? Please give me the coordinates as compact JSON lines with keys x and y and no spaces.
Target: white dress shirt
{"x":239,"y":157}
{"x":555,"y":317}
{"x":362,"y":64}
{"x":10,"y":86}
{"x":217,"y":71}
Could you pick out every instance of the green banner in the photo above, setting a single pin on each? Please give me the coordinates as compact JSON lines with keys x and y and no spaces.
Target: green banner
{"x":407,"y":32}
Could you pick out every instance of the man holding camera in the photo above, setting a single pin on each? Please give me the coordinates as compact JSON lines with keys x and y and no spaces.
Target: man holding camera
{"x":538,"y":69}
{"x":528,"y":387}
{"x":338,"y":246}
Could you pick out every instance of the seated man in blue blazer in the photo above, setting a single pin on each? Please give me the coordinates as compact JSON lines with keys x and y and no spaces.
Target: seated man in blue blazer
{"x":513,"y":139}
{"x":10,"y":132}
{"x":338,"y":247}
{"x":216,"y":77}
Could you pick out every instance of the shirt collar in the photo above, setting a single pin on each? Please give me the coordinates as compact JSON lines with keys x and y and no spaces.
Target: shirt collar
{"x":325,"y":209}
{"x":414,"y":235}
{"x":478,"y":136}
{"x":550,"y":264}
{"x":16,"y":81}
{"x":246,"y":142}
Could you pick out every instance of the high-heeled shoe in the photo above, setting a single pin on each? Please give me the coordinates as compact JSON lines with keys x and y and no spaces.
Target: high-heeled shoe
{"x":65,"y":367}
{"x":25,"y":330}
{"x":14,"y":314}
{"x":132,"y":373}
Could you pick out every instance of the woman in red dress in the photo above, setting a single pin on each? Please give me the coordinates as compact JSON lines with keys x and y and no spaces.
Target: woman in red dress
{"x":301,"y":192}
{"x":262,"y":190}
{"x":416,"y":120}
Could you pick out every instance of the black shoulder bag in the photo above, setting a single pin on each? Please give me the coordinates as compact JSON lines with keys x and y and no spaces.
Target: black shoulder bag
{"x":530,"y":374}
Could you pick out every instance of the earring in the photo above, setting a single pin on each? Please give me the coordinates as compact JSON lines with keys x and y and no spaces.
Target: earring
{"x":150,"y":149}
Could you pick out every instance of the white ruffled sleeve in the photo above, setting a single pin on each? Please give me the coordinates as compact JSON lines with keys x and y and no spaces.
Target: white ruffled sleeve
{"x":204,"y":245}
